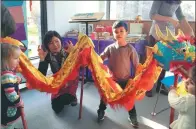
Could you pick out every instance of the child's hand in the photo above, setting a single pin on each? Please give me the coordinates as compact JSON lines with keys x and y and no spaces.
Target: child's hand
{"x":19,"y":80}
{"x":21,"y":104}
{"x":172,"y":88}
{"x":18,"y":69}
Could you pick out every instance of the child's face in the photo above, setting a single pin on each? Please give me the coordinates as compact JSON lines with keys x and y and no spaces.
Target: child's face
{"x":190,"y":86}
{"x":120,"y":33}
{"x":14,"y":60}
{"x":55,"y":45}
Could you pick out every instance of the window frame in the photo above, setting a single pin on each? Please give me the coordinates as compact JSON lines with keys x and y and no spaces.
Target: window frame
{"x":108,"y":6}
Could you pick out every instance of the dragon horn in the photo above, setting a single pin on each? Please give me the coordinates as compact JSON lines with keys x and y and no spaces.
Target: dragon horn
{"x":149,"y":50}
{"x":159,"y":33}
{"x":180,"y":33}
{"x":153,"y":49}
{"x":170,"y":36}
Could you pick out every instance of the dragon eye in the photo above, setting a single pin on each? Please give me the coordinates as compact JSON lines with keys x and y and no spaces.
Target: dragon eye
{"x":184,"y":50}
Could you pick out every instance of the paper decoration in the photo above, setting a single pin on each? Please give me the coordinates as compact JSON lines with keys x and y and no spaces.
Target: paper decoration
{"x":17,"y":14}
{"x":20,"y":33}
{"x":136,"y":28}
{"x":12,"y":3}
{"x":169,"y":81}
{"x":181,"y":90}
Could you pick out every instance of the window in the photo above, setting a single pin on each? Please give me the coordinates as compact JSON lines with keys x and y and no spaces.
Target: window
{"x":128,"y":10}
{"x":188,"y":8}
{"x":33,"y":27}
{"x":91,"y":6}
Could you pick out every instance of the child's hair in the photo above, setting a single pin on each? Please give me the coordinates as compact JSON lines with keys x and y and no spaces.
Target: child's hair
{"x":193,"y":74}
{"x":7,"y":51}
{"x":8,"y":25}
{"x":48,"y":37}
{"x":118,"y":24}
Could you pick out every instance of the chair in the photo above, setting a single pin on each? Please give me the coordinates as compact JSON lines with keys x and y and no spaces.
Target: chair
{"x":168,"y":81}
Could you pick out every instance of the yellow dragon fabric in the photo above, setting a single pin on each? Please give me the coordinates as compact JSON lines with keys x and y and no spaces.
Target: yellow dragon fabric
{"x":83,"y":54}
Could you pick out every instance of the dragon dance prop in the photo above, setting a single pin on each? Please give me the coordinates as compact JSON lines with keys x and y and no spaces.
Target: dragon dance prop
{"x":83,"y":54}
{"x":174,"y":51}
{"x":177,"y":54}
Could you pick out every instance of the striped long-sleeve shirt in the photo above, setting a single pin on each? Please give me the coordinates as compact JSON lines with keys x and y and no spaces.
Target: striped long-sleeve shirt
{"x":10,"y":97}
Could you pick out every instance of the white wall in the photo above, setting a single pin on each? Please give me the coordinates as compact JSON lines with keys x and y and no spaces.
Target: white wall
{"x":50,"y":15}
{"x":59,"y":12}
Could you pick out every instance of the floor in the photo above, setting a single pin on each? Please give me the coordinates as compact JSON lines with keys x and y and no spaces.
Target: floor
{"x":39,"y":115}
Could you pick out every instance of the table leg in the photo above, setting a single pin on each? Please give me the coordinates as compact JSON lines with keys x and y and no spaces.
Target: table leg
{"x":81,"y":94}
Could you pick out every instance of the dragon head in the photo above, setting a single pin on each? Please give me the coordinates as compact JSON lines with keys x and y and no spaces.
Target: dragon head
{"x":171,"y":49}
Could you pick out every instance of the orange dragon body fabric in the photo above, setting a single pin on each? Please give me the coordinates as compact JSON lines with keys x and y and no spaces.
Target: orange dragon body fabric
{"x":84,"y":54}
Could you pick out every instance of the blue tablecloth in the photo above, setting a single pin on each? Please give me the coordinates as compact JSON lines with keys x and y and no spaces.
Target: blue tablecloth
{"x":100,"y":45}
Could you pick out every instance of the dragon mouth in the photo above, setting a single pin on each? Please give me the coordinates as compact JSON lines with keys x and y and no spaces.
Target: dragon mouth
{"x":181,"y":67}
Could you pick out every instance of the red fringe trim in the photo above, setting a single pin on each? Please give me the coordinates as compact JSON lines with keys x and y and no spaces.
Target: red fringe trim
{"x":84,"y":58}
{"x":185,"y":65}
{"x":128,"y":100}
{"x":34,"y":83}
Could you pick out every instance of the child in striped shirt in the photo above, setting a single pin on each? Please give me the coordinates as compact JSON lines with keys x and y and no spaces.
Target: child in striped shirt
{"x":10,"y":99}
